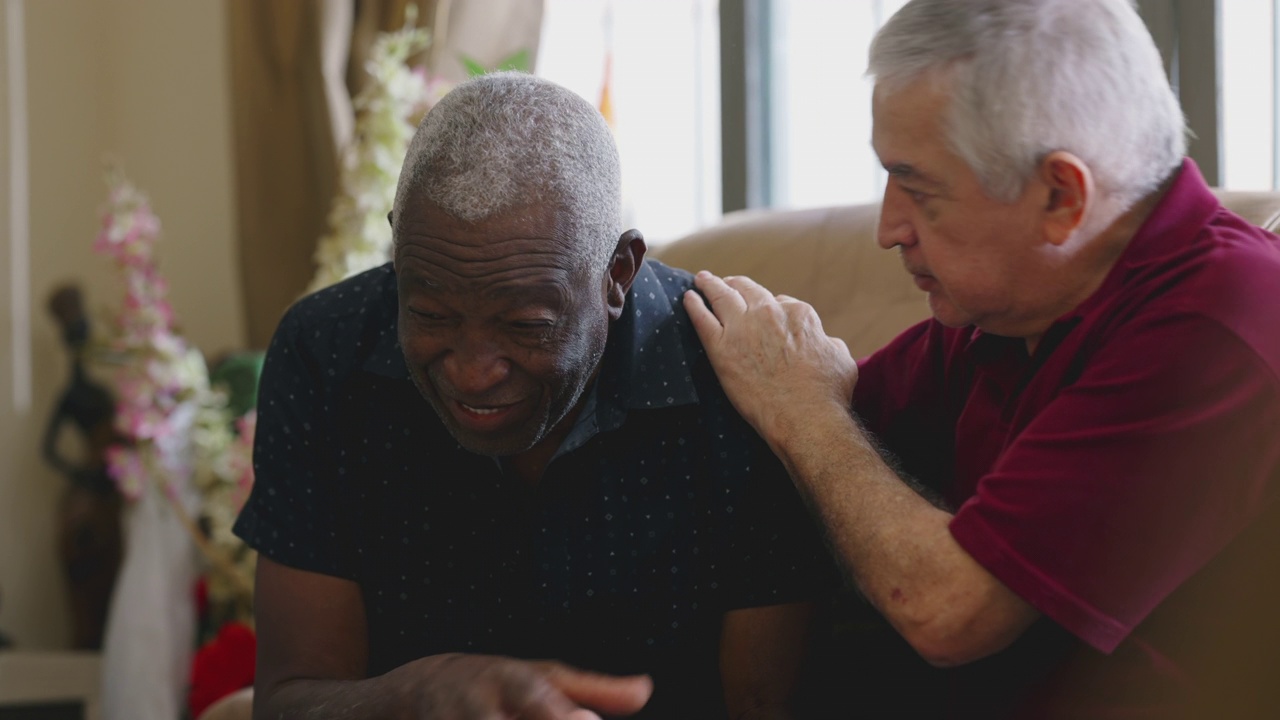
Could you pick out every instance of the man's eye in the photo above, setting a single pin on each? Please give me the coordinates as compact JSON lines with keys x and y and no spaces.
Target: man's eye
{"x":532,"y":325}
{"x":426,"y":315}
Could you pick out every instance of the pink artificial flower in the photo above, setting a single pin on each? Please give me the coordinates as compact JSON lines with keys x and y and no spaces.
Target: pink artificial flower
{"x":126,"y":468}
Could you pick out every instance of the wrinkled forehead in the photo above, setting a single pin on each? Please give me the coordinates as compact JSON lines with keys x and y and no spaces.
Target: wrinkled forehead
{"x":521,"y":248}
{"x":501,"y":290}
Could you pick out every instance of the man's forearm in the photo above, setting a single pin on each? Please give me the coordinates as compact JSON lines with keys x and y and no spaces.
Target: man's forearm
{"x":895,"y":544}
{"x":792,"y":382}
{"x":456,"y":686}
{"x":882,"y":531}
{"x":306,"y":699}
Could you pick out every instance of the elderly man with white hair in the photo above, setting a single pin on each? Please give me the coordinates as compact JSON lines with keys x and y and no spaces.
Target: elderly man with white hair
{"x":498,"y":472}
{"x":1048,"y":485}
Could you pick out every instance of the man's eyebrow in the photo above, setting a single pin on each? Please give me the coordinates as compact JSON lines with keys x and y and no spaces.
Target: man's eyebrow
{"x":905,"y":171}
{"x":549,"y":295}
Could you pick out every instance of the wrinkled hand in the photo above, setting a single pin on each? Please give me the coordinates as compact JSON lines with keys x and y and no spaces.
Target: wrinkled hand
{"x":463,"y":687}
{"x":772,"y":357}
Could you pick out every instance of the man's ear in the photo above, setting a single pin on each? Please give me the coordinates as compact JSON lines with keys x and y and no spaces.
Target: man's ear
{"x":626,"y":261}
{"x":1071,"y":190}
{"x":394,"y":255}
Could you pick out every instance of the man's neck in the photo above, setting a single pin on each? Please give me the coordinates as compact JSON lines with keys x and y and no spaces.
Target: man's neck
{"x":530,"y":464}
{"x":1099,"y":255}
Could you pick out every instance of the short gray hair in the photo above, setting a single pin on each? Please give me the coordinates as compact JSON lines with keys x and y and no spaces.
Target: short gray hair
{"x":508,"y":140}
{"x":1029,"y":77}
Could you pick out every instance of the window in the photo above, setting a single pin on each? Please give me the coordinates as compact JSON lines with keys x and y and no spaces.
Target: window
{"x":664,"y":69}
{"x":1248,"y":52}
{"x":820,"y":122}
{"x":661,"y":61}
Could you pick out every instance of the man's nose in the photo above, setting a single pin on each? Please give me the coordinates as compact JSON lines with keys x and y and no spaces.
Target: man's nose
{"x":475,"y":366}
{"x":894,"y":227}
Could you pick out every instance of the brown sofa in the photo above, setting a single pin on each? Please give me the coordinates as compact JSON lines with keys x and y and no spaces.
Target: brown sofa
{"x":829,"y":258}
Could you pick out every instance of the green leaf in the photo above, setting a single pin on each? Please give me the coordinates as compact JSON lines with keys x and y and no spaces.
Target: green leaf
{"x":519,"y":60}
{"x":473,"y":68}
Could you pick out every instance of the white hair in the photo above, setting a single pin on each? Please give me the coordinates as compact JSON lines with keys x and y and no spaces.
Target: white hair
{"x":507,"y":141}
{"x":1029,"y":77}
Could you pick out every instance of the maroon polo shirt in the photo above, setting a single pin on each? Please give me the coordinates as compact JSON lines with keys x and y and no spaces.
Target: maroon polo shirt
{"x":1119,"y":478}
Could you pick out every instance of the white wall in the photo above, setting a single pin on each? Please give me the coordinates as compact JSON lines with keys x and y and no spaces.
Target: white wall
{"x":145,"y":81}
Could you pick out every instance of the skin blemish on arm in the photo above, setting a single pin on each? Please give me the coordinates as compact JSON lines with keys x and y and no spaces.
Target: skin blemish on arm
{"x":897,"y":595}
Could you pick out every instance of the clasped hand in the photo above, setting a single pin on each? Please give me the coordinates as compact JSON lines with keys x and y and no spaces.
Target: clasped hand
{"x":770,"y":353}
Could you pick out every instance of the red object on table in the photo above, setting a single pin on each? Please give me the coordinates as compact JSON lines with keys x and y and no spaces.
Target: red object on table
{"x":222,"y":666}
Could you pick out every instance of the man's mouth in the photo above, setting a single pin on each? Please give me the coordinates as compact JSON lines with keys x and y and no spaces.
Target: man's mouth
{"x":924,"y":281}
{"x":484,"y":418}
{"x":483,"y":410}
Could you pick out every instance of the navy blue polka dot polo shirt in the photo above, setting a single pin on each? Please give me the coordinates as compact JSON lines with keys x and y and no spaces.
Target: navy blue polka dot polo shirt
{"x":661,"y":511}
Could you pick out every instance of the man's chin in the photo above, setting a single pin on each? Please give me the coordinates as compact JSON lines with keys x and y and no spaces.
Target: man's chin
{"x":500,"y":445}
{"x":508,"y":436}
{"x":947,"y":314}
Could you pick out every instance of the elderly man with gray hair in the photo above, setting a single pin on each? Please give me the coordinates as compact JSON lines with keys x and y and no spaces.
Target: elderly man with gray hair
{"x":1087,"y":433}
{"x":497,"y":477}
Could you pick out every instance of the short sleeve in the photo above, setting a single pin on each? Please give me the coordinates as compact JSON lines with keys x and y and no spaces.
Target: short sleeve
{"x":1131,"y":479}
{"x":291,"y":515}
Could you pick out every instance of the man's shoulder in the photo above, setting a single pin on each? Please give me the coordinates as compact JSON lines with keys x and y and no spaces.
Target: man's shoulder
{"x":669,"y":274}
{"x":361,"y":295}
{"x":657,"y":281}
{"x":656,"y":310}
{"x":341,"y":323}
{"x":657,"y":300}
{"x":1226,"y":281}
{"x":670,"y":354}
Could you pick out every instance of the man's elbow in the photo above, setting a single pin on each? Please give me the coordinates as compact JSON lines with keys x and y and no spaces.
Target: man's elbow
{"x":951,"y":642}
{"x":946,"y":653}
{"x":968,"y":623}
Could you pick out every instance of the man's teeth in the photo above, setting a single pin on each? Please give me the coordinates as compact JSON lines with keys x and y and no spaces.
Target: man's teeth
{"x":480,"y":411}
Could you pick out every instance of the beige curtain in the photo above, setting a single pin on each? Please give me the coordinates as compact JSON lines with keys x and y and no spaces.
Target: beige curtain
{"x":295,"y":65}
{"x":287,"y":121}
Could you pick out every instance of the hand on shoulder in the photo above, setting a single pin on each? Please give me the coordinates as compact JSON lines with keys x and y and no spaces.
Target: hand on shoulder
{"x":770,"y":352}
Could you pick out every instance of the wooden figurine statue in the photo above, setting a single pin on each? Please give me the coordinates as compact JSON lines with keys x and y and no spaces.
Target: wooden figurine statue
{"x":5,"y":642}
{"x":89,"y":534}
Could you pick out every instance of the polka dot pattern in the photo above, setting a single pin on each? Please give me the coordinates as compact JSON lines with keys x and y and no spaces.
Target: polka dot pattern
{"x":662,"y":510}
